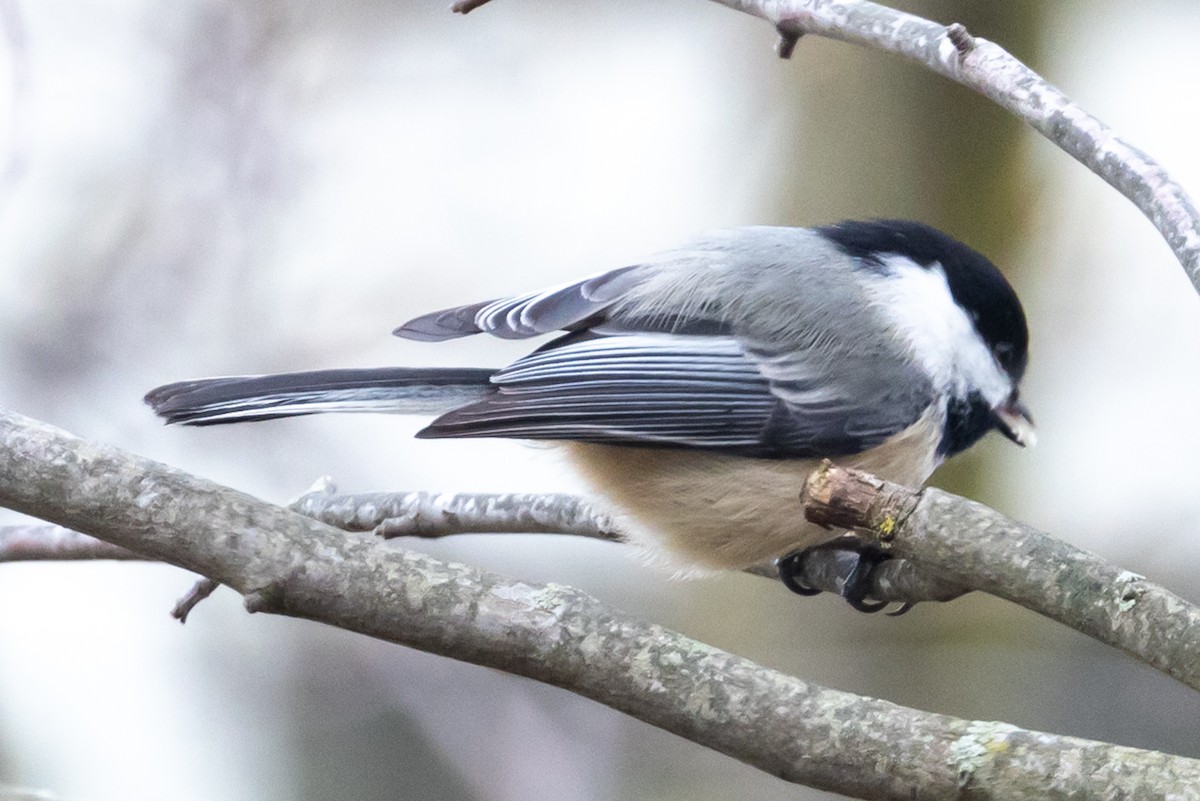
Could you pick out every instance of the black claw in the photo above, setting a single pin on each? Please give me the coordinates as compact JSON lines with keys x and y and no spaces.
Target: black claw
{"x":789,"y":568}
{"x":858,"y":583}
{"x":868,"y":607}
{"x":856,"y":587}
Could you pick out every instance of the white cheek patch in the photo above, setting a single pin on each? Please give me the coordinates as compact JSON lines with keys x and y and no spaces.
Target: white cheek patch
{"x":916,"y":302}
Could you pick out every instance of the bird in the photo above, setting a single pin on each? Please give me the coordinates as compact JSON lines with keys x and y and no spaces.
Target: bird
{"x":695,"y":390}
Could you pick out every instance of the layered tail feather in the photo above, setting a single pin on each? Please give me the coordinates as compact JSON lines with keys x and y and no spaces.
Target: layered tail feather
{"x":238,"y":399}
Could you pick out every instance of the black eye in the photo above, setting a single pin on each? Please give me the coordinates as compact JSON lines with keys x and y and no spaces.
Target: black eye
{"x":1003,"y":352}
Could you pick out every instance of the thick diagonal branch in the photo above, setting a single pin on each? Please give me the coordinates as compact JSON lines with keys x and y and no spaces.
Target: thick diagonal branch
{"x":969,"y":543}
{"x":286,"y":563}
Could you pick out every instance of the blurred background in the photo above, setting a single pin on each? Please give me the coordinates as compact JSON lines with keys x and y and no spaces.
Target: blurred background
{"x":234,"y":186}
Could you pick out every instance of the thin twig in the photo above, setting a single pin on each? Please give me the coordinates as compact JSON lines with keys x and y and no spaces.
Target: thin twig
{"x":789,"y":37}
{"x":963,"y":41}
{"x":286,"y":563}
{"x":200,"y":590}
{"x":993,"y":72}
{"x":40,"y":542}
{"x":437,"y":514}
{"x":467,"y":6}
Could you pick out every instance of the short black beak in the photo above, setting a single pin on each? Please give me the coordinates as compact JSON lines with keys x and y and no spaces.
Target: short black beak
{"x":1015,"y":422}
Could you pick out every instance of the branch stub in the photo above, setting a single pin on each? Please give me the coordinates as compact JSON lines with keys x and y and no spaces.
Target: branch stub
{"x":961,"y":38}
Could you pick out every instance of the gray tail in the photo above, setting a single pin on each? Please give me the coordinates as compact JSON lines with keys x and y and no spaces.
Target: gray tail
{"x":238,"y":399}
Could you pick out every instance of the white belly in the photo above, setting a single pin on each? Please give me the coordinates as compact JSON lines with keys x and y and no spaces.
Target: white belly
{"x":700,"y":510}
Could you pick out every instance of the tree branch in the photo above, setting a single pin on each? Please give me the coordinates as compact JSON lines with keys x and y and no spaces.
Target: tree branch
{"x":438,"y":514}
{"x":993,"y":72}
{"x":967,"y":542}
{"x":289,"y":564}
{"x":432,"y":515}
{"x":199,"y":591}
{"x":37,"y":542}
{"x":952,"y":52}
{"x":936,"y":561}
{"x":466,"y":6}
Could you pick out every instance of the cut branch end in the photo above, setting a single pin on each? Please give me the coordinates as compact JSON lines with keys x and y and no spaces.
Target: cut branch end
{"x":837,"y":497}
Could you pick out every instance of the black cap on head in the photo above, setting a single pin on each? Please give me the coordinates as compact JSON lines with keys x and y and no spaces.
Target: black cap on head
{"x":975,"y":283}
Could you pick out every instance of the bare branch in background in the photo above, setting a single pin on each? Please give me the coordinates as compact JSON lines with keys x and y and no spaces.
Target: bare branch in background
{"x":993,"y":72}
{"x":286,"y":563}
{"x":432,"y":515}
{"x":466,"y":6}
{"x":437,"y":514}
{"x":971,"y":544}
{"x":39,"y":542}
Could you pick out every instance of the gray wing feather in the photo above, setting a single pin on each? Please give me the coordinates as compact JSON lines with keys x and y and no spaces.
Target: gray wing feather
{"x":747,"y":340}
{"x":445,"y":324}
{"x":567,"y":306}
{"x":687,"y":391}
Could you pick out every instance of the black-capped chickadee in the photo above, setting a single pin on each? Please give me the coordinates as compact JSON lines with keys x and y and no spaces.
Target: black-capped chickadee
{"x":696,"y":390}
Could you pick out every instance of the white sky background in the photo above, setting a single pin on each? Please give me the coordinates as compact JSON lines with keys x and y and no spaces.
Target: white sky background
{"x":211,"y":187}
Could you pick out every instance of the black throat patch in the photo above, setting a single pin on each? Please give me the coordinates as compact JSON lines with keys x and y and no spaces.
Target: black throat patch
{"x":967,"y":420}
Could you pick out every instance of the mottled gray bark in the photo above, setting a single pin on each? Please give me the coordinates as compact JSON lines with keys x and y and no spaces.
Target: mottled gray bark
{"x":967,"y":542}
{"x":993,"y":72}
{"x":289,"y":564}
{"x":438,"y":514}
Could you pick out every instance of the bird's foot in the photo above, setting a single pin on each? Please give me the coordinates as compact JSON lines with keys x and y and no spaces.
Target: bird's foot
{"x":855,"y":586}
